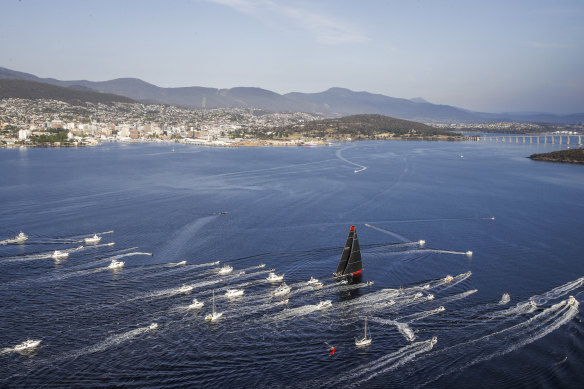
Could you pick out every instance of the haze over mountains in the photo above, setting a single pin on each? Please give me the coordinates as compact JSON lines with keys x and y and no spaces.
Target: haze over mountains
{"x":333,"y":102}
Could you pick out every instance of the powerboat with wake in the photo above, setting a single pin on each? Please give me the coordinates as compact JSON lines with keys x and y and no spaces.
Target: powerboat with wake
{"x":226,"y":269}
{"x":95,"y":239}
{"x":273,"y":277}
{"x":282,"y":290}
{"x":114,"y":265}
{"x":27,"y":345}
{"x":234,"y":293}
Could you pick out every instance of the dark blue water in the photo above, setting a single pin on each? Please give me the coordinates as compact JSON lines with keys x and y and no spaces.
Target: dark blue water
{"x":290,"y":209}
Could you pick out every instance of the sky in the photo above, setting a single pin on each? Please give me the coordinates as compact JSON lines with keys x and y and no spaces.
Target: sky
{"x":489,"y":56}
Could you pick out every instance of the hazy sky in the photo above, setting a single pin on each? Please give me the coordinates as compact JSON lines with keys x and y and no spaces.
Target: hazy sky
{"x":486,"y":55}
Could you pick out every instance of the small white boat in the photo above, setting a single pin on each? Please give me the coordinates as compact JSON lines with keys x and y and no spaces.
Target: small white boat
{"x":430,"y":297}
{"x":215,"y":315}
{"x":196,"y":304}
{"x":369,"y":283}
{"x":324,"y":304}
{"x":448,"y":278}
{"x":282,"y":290}
{"x":572,"y":301}
{"x":59,"y":254}
{"x":153,"y":326}
{"x":186,"y":289}
{"x":469,"y":253}
{"x":93,"y":240}
{"x":317,"y":285}
{"x":434,"y":341}
{"x":441,"y":309}
{"x":226,"y":269}
{"x":181,"y":263}
{"x":18,"y":239}
{"x":312,"y":281}
{"x":365,"y":340}
{"x":27,"y":345}
{"x":273,"y":277}
{"x":234,"y":293}
{"x":116,"y":264}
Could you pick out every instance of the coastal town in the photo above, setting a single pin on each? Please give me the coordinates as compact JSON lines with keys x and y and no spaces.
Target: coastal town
{"x":55,"y":123}
{"x":41,"y":122}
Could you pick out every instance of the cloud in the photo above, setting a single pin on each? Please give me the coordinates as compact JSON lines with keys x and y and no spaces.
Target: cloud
{"x":325,"y":28}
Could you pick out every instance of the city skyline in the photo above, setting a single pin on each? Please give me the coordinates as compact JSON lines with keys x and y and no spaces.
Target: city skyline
{"x":491,"y":57}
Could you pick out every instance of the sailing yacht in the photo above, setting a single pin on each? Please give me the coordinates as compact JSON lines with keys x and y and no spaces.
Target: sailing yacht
{"x":350,"y":265}
{"x":215,"y":315}
{"x":365,"y":340}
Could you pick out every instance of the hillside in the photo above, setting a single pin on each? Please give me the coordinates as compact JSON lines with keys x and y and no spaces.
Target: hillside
{"x":334,"y":102}
{"x":23,"y":89}
{"x":568,"y":156}
{"x":366,"y":127}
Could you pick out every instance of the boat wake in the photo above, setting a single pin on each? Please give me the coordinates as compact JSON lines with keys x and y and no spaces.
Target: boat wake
{"x":339,"y":155}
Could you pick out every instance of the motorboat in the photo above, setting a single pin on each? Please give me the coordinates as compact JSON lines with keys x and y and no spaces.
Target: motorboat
{"x":572,"y":301}
{"x":448,"y":278}
{"x":365,"y":340}
{"x":215,"y":315}
{"x":95,"y":239}
{"x":441,"y":309}
{"x":273,"y":277}
{"x":18,"y":239}
{"x":324,"y":304}
{"x":226,"y":269}
{"x":312,"y":281}
{"x":60,"y":254}
{"x":153,"y":326}
{"x":469,"y":253}
{"x":27,"y":345}
{"x":430,"y":297}
{"x":196,"y":304}
{"x":186,"y":289}
{"x":234,"y":293}
{"x":181,"y":263}
{"x":317,"y":285}
{"x":116,"y":264}
{"x":282,"y":290}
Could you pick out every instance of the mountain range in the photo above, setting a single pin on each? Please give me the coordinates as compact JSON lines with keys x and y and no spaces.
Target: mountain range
{"x":334,"y":102}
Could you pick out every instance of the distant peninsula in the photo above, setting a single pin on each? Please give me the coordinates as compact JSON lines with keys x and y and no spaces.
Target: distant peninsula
{"x":566,"y":156}
{"x":367,"y":126}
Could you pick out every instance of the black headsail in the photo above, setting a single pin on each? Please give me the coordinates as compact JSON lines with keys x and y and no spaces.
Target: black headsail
{"x":350,"y":263}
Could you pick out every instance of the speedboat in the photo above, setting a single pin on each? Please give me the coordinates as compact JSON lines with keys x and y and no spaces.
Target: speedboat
{"x":572,"y":301}
{"x":365,"y":340}
{"x":430,"y":297}
{"x":93,"y":240}
{"x":441,"y":309}
{"x":317,"y":285}
{"x":273,"y":277}
{"x":186,"y":289}
{"x":27,"y":345}
{"x":448,"y":278}
{"x":311,"y":281}
{"x":153,"y":326}
{"x":59,"y":254}
{"x":282,"y":290}
{"x":215,"y":315}
{"x":18,"y":239}
{"x":181,"y":263}
{"x":324,"y":304}
{"x":434,"y":340}
{"x":196,"y":304}
{"x":116,"y":264}
{"x":469,"y":253}
{"x":226,"y":269}
{"x":234,"y":293}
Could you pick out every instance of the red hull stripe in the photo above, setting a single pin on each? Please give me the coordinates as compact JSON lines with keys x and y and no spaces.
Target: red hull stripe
{"x":357,"y":272}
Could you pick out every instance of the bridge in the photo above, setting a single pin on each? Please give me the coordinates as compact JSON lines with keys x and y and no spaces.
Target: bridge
{"x":553,"y":139}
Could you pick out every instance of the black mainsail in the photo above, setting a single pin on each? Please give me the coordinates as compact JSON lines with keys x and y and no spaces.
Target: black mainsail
{"x":350,"y":264}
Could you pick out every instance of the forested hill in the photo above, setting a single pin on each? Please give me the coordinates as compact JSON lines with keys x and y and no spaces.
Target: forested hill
{"x":24,"y":89}
{"x":367,"y":127}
